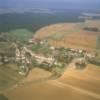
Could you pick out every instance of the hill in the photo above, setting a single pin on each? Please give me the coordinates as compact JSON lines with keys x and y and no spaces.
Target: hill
{"x":72,"y":35}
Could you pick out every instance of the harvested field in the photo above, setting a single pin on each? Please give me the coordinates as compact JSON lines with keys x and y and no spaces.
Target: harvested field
{"x":36,"y":74}
{"x":73,"y":85}
{"x":70,"y":35}
{"x":52,"y":29}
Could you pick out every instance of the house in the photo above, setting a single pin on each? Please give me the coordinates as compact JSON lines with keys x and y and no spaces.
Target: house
{"x":6,"y":59}
{"x":52,"y":48}
{"x":17,"y":53}
{"x":80,"y":63}
{"x":89,"y":55}
{"x":34,"y":40}
{"x":57,"y":63}
{"x":44,"y":42}
{"x":41,"y":59}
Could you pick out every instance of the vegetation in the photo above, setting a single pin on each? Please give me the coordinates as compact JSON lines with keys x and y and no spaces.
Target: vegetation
{"x":63,"y":56}
{"x":41,"y":49}
{"x":34,"y":21}
{"x":94,"y":29}
{"x":3,"y":97}
{"x":8,"y":69}
{"x":58,"y":71}
{"x":98,"y":48}
{"x":8,"y":77}
{"x":21,"y":35}
{"x":7,"y":49}
{"x":57,"y":66}
{"x":98,"y":42}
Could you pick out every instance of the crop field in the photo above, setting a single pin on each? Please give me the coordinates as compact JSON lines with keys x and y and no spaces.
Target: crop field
{"x":8,"y":77}
{"x":71,"y":35}
{"x":20,"y":34}
{"x":56,"y":28}
{"x":73,"y":85}
{"x":98,"y":42}
{"x":93,"y":23}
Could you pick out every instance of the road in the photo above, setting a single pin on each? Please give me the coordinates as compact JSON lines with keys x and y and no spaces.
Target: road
{"x":40,"y":58}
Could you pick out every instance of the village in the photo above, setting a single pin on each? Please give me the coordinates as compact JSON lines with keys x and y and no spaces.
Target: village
{"x":48,"y":58}
{"x":55,"y":58}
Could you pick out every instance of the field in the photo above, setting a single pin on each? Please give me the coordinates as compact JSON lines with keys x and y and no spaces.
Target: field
{"x":8,"y":71}
{"x":93,"y":23}
{"x":8,"y":76}
{"x":71,"y":35}
{"x":73,"y":85}
{"x":22,"y":35}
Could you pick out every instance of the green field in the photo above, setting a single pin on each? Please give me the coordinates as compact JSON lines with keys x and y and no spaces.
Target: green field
{"x":98,"y":47}
{"x":8,"y":77}
{"x":98,"y":42}
{"x":22,"y":35}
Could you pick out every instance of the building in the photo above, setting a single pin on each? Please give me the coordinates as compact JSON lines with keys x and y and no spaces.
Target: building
{"x":34,"y":40}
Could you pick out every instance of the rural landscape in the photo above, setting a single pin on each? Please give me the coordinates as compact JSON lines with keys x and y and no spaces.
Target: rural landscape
{"x":49,"y":54}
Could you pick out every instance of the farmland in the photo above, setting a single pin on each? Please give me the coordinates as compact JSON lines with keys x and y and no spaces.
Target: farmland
{"x":49,"y":50}
{"x":71,"y":34}
{"x":8,"y":76}
{"x":74,"y":83}
{"x":21,"y":35}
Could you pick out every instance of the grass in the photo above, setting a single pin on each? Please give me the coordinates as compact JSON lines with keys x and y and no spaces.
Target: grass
{"x":41,"y":49}
{"x":5,"y":47}
{"x":98,"y":47}
{"x":8,"y":77}
{"x":21,"y":34}
{"x":98,"y":42}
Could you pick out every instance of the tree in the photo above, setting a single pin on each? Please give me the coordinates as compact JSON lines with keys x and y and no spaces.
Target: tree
{"x":3,"y":97}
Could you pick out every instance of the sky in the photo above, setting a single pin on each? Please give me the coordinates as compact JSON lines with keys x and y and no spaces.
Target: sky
{"x":90,"y":4}
{"x":51,"y":0}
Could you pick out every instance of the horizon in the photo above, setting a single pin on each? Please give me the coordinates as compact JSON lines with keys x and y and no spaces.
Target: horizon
{"x":53,"y":4}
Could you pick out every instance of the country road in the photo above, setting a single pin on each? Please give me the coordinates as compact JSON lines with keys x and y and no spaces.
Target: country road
{"x":38,"y":57}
